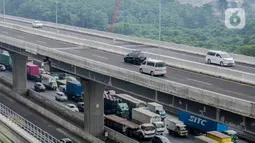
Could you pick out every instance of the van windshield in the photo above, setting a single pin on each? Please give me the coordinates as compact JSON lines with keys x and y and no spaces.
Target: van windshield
{"x":225,"y":55}
{"x":160,"y":65}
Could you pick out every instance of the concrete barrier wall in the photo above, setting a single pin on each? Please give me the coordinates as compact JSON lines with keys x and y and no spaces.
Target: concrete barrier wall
{"x":166,"y":45}
{"x":119,"y":137}
{"x":232,"y":104}
{"x":14,"y":132}
{"x":189,"y":65}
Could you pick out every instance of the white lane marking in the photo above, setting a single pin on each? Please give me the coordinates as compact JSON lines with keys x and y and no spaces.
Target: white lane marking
{"x":199,"y":81}
{"x":40,"y":41}
{"x":8,"y":98}
{"x":98,"y":56}
{"x":20,"y":36}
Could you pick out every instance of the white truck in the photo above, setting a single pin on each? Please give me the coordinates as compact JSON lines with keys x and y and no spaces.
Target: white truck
{"x":157,"y":108}
{"x":175,"y":126}
{"x":49,"y":81}
{"x":204,"y":139}
{"x":141,"y":115}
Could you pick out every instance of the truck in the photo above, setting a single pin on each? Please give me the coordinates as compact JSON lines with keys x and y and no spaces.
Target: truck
{"x":140,"y":115}
{"x":204,"y":139}
{"x":176,"y":127}
{"x":6,"y":60}
{"x":49,"y":81}
{"x":157,"y":108}
{"x":219,"y":137}
{"x":131,"y":101}
{"x":198,"y":125}
{"x":63,"y":81}
{"x":115,"y":106}
{"x":74,"y":90}
{"x":131,"y":129}
{"x":33,"y":72}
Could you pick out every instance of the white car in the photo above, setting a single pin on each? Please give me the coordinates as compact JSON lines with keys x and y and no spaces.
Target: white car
{"x":153,"y":67}
{"x":220,"y":58}
{"x":2,"y":68}
{"x":37,"y":24}
{"x":72,"y":107}
{"x":61,"y":96}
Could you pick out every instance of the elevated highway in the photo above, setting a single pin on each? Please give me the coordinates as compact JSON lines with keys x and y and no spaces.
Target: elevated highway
{"x":213,"y":98}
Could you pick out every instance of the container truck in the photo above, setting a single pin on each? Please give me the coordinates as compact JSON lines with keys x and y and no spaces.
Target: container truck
{"x":219,"y":137}
{"x":74,"y":90}
{"x":204,"y":139}
{"x":140,"y":131}
{"x":157,"y":108}
{"x":49,"y":81}
{"x":198,"y":125}
{"x":131,"y":101}
{"x":175,"y":126}
{"x":33,"y":73}
{"x":113,"y":105}
{"x":140,"y":115}
{"x":6,"y":60}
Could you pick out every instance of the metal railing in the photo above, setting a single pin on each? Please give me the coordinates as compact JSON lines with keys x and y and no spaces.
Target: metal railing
{"x":26,"y":125}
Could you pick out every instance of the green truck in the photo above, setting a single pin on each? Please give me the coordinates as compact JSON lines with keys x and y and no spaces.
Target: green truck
{"x":6,"y":60}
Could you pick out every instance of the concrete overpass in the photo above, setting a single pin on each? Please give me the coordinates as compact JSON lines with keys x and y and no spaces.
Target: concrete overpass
{"x":98,"y":72}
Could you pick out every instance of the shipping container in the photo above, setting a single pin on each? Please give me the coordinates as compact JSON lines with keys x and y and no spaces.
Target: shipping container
{"x":33,"y":72}
{"x":74,"y":90}
{"x":204,"y":139}
{"x":6,"y":60}
{"x":220,"y":137}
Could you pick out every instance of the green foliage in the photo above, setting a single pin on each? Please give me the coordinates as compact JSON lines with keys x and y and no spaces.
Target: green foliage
{"x":180,"y":23}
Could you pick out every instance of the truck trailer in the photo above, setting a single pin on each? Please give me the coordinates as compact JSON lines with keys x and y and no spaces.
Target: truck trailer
{"x":74,"y":90}
{"x":219,"y":137}
{"x":176,"y":127}
{"x":6,"y":60}
{"x":140,"y":131}
{"x":33,"y":73}
{"x":113,"y":105}
{"x":140,"y":115}
{"x":204,"y":139}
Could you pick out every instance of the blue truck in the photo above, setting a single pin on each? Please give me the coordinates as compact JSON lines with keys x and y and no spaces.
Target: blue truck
{"x":74,"y":90}
{"x":198,"y":125}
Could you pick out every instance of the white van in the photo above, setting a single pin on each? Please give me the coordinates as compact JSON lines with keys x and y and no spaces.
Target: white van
{"x":220,"y":58}
{"x":153,"y":67}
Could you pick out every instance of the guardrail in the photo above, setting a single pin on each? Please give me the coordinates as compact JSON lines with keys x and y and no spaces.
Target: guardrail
{"x":175,"y":62}
{"x":29,"y":127}
{"x":228,"y":103}
{"x":156,"y":43}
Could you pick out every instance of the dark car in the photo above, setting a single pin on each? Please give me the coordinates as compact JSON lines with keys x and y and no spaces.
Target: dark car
{"x":160,"y":139}
{"x":135,"y":57}
{"x":80,"y":106}
{"x":39,"y":87}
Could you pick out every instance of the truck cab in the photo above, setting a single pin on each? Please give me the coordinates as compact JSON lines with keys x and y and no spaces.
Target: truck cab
{"x":176,"y":127}
{"x":232,"y":134}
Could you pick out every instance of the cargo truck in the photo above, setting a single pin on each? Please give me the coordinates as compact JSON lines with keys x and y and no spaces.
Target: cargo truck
{"x":140,"y":131}
{"x":49,"y":81}
{"x":33,"y":73}
{"x":131,"y":101}
{"x":140,"y":115}
{"x":198,"y":125}
{"x":157,"y":108}
{"x":204,"y":139}
{"x":219,"y":137}
{"x":115,"y":106}
{"x":176,"y":127}
{"x":74,"y":90}
{"x":6,"y":60}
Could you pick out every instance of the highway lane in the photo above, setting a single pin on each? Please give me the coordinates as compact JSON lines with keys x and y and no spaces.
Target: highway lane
{"x":147,"y":48}
{"x":214,"y":84}
{"x":40,"y":121}
{"x":35,"y":39}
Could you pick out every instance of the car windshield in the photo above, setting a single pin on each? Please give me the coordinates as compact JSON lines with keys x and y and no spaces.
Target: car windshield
{"x":148,"y":128}
{"x":162,"y":112}
{"x":160,"y":125}
{"x":183,"y":128}
{"x":225,"y":55}
{"x":160,"y":65}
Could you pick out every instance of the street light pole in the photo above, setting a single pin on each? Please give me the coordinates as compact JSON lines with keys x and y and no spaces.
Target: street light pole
{"x":159,"y":23}
{"x":57,"y":15}
{"x":4,"y":8}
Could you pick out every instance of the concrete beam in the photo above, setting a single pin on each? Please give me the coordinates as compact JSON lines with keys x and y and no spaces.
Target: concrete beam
{"x":19,"y":73}
{"x":93,"y":107}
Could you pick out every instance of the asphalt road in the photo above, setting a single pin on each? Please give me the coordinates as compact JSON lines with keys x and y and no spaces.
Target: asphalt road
{"x":214,"y":84}
{"x":35,"y":39}
{"x":147,"y":48}
{"x":51,"y":95}
{"x":40,"y":121}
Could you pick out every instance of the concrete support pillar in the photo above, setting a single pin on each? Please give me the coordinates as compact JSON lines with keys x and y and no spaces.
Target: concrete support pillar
{"x":19,"y":73}
{"x":93,"y":107}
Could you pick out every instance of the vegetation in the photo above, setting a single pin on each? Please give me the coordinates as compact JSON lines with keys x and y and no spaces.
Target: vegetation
{"x":181,"y":23}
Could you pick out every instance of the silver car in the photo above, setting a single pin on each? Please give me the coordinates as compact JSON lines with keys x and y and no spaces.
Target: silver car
{"x":37,"y":24}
